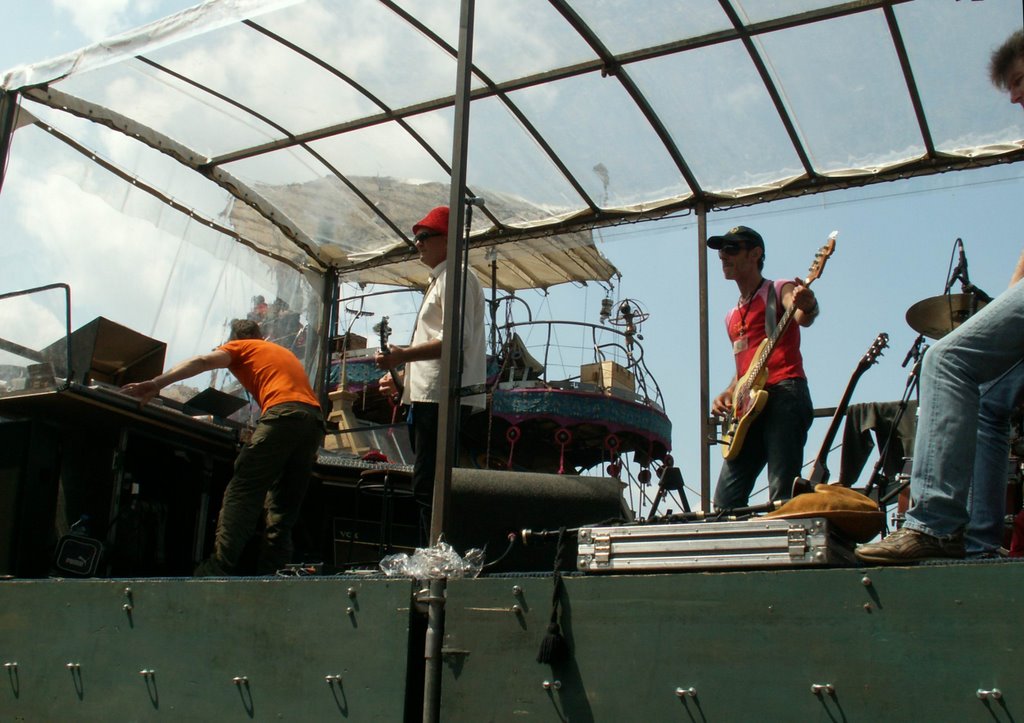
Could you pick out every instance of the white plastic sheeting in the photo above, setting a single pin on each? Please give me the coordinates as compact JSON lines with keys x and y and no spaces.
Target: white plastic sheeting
{"x":279,"y":136}
{"x":333,"y":120}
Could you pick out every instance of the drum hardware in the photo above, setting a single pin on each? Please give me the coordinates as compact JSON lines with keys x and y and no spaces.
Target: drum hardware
{"x":939,"y":315}
{"x":878,"y":477}
{"x":902,"y":481}
{"x":671,"y":480}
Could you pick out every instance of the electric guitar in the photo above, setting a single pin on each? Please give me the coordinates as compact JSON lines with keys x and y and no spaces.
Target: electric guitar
{"x":819,"y":472}
{"x":384,"y":330}
{"x":750,"y":396}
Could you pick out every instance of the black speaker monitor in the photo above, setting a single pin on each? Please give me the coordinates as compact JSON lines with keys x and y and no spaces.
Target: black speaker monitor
{"x":29,"y":472}
{"x":105,"y":351}
{"x":487,"y":505}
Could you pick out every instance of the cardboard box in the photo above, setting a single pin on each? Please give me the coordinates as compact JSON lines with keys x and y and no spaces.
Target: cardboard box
{"x":608,"y":375}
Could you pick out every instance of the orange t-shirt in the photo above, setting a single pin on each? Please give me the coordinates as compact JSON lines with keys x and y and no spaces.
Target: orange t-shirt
{"x":271,"y":373}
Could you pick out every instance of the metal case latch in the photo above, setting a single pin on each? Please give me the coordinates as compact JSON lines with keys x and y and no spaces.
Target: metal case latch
{"x":797,"y":541}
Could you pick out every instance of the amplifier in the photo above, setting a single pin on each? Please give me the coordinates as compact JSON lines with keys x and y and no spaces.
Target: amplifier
{"x":361,"y":541}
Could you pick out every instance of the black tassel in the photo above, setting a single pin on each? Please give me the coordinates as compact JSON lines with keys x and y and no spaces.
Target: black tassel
{"x":553,"y":648}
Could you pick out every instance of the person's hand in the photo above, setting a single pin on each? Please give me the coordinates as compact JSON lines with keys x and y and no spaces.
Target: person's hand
{"x":387,"y":385}
{"x":722,"y":404}
{"x":389,"y":359}
{"x":803,"y":297}
{"x":143,"y":390}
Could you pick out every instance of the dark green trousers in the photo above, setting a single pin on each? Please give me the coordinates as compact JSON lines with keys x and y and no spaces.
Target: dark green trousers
{"x":271,"y":476}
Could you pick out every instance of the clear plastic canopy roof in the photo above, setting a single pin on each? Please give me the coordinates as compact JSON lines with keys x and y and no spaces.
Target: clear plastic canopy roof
{"x":317,"y":132}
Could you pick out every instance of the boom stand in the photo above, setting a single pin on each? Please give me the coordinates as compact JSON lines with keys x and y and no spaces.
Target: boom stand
{"x":878,"y":476}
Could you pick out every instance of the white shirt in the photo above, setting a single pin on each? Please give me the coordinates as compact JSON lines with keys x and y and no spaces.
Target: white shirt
{"x":423,"y":378}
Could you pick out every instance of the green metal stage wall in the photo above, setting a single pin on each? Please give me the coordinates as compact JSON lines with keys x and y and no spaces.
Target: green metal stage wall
{"x":203,"y":650}
{"x":907,"y":644}
{"x":903,"y":644}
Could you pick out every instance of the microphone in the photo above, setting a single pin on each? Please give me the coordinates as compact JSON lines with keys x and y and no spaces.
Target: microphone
{"x":962,"y":264}
{"x":965,"y":282}
{"x":915,"y":351}
{"x":960,"y":270}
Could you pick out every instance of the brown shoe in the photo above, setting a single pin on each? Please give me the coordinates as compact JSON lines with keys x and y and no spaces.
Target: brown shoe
{"x":907,"y":545}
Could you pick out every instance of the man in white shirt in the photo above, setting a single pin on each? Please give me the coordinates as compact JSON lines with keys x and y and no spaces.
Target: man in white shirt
{"x":422,"y":386}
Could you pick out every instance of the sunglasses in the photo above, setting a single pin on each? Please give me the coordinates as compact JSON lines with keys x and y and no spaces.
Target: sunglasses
{"x":732,"y":249}
{"x":424,"y":235}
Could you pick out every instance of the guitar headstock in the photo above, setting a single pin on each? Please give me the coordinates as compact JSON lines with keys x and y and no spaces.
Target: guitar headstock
{"x":880,"y":343}
{"x":823,"y":255}
{"x":384,"y":330}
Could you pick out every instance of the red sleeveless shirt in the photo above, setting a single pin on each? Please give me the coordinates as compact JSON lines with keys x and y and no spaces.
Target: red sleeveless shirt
{"x":745,"y":325}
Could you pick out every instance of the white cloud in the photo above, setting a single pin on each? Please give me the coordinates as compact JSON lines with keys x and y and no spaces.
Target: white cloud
{"x":99,"y":19}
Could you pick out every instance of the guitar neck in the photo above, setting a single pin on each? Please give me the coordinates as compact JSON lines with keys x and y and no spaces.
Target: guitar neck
{"x":814,"y":272}
{"x":385,"y":334}
{"x":819,"y":472}
{"x":780,"y":329}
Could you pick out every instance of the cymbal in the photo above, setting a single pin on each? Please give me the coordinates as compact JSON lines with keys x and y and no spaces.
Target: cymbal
{"x":939,"y":315}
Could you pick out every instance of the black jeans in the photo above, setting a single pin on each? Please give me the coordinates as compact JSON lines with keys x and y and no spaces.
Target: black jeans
{"x":776,"y":439}
{"x":423,"y":419}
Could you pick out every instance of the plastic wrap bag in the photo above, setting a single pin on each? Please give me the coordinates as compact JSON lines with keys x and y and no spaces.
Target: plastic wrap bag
{"x":434,"y":563}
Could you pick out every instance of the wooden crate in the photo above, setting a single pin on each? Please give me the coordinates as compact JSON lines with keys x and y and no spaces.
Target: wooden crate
{"x":607,"y":375}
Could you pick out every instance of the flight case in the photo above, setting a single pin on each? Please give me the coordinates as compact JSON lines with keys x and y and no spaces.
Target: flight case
{"x":804,"y":542}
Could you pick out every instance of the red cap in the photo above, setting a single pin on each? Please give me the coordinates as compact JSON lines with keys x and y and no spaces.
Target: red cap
{"x":436,"y":220}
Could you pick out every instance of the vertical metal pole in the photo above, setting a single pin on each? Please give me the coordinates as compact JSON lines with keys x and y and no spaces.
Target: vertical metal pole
{"x":328,"y":330}
{"x":494,"y":307}
{"x":432,"y":653}
{"x":8,"y":114}
{"x":450,"y":352}
{"x":705,"y":427}
{"x":449,"y":405}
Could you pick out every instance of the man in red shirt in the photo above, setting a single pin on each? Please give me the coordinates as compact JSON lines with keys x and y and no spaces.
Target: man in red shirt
{"x":272,"y":470}
{"x":776,"y":437}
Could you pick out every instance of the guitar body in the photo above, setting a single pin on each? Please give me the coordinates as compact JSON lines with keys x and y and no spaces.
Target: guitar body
{"x":736,"y":434}
{"x":748,"y":400}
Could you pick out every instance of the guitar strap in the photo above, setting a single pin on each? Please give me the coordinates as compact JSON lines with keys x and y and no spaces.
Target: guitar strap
{"x":771,"y":318}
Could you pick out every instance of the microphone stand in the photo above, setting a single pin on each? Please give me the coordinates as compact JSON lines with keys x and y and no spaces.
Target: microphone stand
{"x":976,"y":294}
{"x":966,"y":286}
{"x":671,"y":481}
{"x":878,"y":476}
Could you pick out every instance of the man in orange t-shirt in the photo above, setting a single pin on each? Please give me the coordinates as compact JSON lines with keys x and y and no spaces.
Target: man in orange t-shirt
{"x":272,"y":470}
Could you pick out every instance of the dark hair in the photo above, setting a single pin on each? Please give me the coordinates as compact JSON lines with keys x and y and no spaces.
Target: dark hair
{"x":245,"y":329}
{"x":1004,"y":57}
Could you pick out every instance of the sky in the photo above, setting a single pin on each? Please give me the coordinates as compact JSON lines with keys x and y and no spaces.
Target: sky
{"x":47,"y":28}
{"x":894,"y":248}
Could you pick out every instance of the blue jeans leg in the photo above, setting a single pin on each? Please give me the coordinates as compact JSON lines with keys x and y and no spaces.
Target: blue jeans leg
{"x":987,"y":501}
{"x":952,"y":374}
